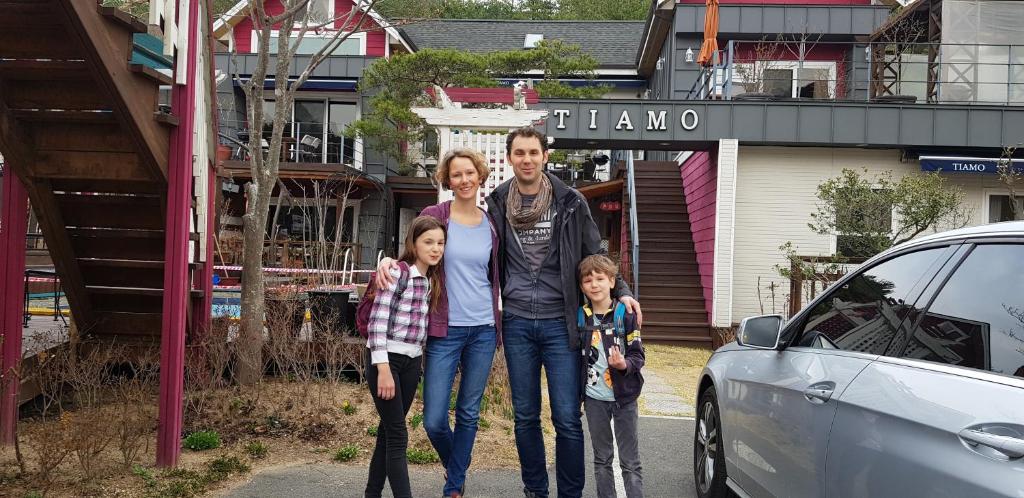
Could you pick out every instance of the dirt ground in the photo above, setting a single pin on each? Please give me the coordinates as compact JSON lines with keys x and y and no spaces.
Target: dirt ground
{"x":296,"y":422}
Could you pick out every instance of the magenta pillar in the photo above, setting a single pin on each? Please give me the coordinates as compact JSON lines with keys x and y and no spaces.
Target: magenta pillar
{"x":13,"y":223}
{"x":176,"y":281}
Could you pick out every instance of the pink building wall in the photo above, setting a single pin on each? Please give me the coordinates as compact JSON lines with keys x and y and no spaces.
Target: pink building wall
{"x":376,"y":39}
{"x":700,"y":175}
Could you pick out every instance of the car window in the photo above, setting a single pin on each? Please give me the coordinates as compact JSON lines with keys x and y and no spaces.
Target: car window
{"x":864,"y":314}
{"x":977,"y":319}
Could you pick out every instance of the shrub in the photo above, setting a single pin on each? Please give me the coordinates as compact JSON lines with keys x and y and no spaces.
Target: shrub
{"x":372,"y":430}
{"x":221,"y":467}
{"x":484,"y":423}
{"x":348,"y":408}
{"x":416,"y":420}
{"x":202,"y":440}
{"x":346,"y":453}
{"x":418,"y":456}
{"x":257,"y":449}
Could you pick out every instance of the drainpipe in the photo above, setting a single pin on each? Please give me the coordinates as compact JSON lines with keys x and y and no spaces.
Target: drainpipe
{"x":176,"y":281}
{"x":13,"y":224}
{"x":634,"y":235}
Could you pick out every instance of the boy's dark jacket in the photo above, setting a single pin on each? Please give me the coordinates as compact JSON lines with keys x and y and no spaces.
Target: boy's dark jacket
{"x":578,"y":238}
{"x":625,"y":384}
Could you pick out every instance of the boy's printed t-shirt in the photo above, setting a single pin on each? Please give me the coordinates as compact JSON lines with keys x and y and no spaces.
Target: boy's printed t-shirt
{"x":599,"y":379}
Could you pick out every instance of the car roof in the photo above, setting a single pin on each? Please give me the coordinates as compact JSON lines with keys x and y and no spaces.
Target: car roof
{"x":1005,"y":229}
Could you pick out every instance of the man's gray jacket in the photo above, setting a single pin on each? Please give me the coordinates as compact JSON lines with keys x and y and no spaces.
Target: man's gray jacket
{"x":578,"y":238}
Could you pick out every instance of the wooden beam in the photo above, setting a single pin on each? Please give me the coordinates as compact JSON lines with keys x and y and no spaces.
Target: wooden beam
{"x":60,"y":116}
{"x":44,"y":70}
{"x":104,"y":166}
{"x":78,"y":137}
{"x":59,"y":94}
{"x":26,"y":15}
{"x":101,"y":211}
{"x":26,"y":42}
{"x":108,"y":48}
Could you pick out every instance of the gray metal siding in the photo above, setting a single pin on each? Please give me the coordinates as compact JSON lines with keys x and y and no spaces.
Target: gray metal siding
{"x":336,"y":66}
{"x":790,"y":123}
{"x":830,"y":21}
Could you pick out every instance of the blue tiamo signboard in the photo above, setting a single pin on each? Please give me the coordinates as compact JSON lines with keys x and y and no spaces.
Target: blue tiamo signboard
{"x":952,"y":164}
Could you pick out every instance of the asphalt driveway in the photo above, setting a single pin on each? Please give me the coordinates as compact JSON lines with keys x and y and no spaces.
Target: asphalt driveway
{"x":665,"y":450}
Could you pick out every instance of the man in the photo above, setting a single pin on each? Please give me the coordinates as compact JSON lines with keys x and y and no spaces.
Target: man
{"x":545,"y":229}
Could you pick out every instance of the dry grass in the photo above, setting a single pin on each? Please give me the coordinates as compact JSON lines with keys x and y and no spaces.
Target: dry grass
{"x":679,"y":367}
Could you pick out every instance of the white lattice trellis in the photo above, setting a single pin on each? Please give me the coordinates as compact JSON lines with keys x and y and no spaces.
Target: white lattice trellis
{"x":481,"y":129}
{"x":492,"y":145}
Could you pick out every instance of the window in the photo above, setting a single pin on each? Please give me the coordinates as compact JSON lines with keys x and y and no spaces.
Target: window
{"x":977,"y":319}
{"x":999,"y":208}
{"x":785,"y":79}
{"x":320,"y":11}
{"x":316,"y":132}
{"x":312,"y":42}
{"x":865,"y":313}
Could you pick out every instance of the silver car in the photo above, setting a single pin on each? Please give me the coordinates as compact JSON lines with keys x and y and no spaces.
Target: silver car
{"x":904,"y":379}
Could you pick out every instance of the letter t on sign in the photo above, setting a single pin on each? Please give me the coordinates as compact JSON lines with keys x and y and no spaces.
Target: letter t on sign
{"x":561,"y":114}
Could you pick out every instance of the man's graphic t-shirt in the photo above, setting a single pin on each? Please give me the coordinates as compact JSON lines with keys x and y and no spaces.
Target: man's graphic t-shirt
{"x":536,"y":241}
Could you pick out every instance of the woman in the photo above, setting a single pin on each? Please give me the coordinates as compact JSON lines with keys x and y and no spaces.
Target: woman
{"x":465,"y":326}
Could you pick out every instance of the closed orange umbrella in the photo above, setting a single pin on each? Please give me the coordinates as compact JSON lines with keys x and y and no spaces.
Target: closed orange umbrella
{"x":710,"y":45}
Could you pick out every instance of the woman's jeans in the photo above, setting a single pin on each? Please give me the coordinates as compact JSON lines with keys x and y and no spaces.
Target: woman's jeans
{"x":389,"y":460}
{"x":530,"y":344}
{"x":471,"y":351}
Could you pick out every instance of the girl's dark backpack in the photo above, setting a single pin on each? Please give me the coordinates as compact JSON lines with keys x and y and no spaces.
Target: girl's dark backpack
{"x":366,"y":303}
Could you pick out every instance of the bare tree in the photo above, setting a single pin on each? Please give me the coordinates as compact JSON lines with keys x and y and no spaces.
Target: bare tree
{"x":1012,"y":178}
{"x":264,"y":161}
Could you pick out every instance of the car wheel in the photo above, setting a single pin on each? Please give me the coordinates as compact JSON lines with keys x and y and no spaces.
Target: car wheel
{"x":708,"y":461}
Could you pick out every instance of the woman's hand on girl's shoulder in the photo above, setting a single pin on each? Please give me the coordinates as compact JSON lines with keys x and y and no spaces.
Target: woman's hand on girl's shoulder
{"x":387,"y":273}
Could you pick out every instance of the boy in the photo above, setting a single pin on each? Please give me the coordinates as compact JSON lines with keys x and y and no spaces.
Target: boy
{"x":613,"y":380}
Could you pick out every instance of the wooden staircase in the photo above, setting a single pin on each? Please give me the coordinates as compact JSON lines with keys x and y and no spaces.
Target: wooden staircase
{"x":81,"y":128}
{"x":670,"y":290}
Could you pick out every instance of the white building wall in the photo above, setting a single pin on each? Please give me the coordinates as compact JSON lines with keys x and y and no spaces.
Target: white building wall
{"x":725,"y":215}
{"x":775,"y":195}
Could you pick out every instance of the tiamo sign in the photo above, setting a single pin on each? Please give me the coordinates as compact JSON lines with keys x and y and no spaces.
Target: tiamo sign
{"x":649,"y":119}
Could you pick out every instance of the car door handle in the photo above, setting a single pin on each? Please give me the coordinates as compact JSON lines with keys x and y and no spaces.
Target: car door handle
{"x":820,"y":392}
{"x":1010,"y":446}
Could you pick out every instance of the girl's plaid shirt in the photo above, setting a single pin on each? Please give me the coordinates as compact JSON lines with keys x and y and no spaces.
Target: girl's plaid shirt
{"x":399,"y":318}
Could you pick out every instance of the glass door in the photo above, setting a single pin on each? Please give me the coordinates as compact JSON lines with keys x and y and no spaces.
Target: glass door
{"x":308,"y":143}
{"x":340,"y":149}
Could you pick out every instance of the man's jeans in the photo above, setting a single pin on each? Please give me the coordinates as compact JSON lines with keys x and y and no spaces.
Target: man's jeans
{"x":471,"y":350}
{"x":529,"y":344}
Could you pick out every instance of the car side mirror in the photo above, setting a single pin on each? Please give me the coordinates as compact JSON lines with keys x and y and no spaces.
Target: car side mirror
{"x":760,"y":332}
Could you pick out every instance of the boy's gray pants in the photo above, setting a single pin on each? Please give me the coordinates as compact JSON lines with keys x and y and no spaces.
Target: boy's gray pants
{"x":600,"y":415}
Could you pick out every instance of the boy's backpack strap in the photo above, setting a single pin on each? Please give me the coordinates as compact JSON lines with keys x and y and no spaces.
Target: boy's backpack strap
{"x":619,"y":319}
{"x":581,"y":319}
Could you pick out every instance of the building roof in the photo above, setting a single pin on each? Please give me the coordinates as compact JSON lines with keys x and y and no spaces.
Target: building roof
{"x":612,"y":43}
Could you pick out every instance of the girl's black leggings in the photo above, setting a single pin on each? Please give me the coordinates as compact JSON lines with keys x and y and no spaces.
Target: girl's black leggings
{"x":389,"y":461}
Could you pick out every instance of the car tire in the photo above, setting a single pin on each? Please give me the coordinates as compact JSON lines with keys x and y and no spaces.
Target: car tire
{"x":708,"y":460}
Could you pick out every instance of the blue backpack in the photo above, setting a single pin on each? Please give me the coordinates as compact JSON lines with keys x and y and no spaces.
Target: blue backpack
{"x":618,"y":322}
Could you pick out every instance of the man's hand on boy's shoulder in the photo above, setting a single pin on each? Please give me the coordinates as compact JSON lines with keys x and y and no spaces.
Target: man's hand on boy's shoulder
{"x":632,"y":306}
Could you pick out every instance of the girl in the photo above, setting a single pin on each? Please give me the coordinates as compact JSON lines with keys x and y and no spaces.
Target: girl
{"x":465,"y":326}
{"x":395,"y":336}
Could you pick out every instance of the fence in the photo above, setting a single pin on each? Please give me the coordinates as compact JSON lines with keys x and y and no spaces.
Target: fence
{"x":943,"y":73}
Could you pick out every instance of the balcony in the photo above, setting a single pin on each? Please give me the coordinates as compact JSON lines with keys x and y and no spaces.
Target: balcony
{"x":305,"y":142}
{"x":878,"y":72}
